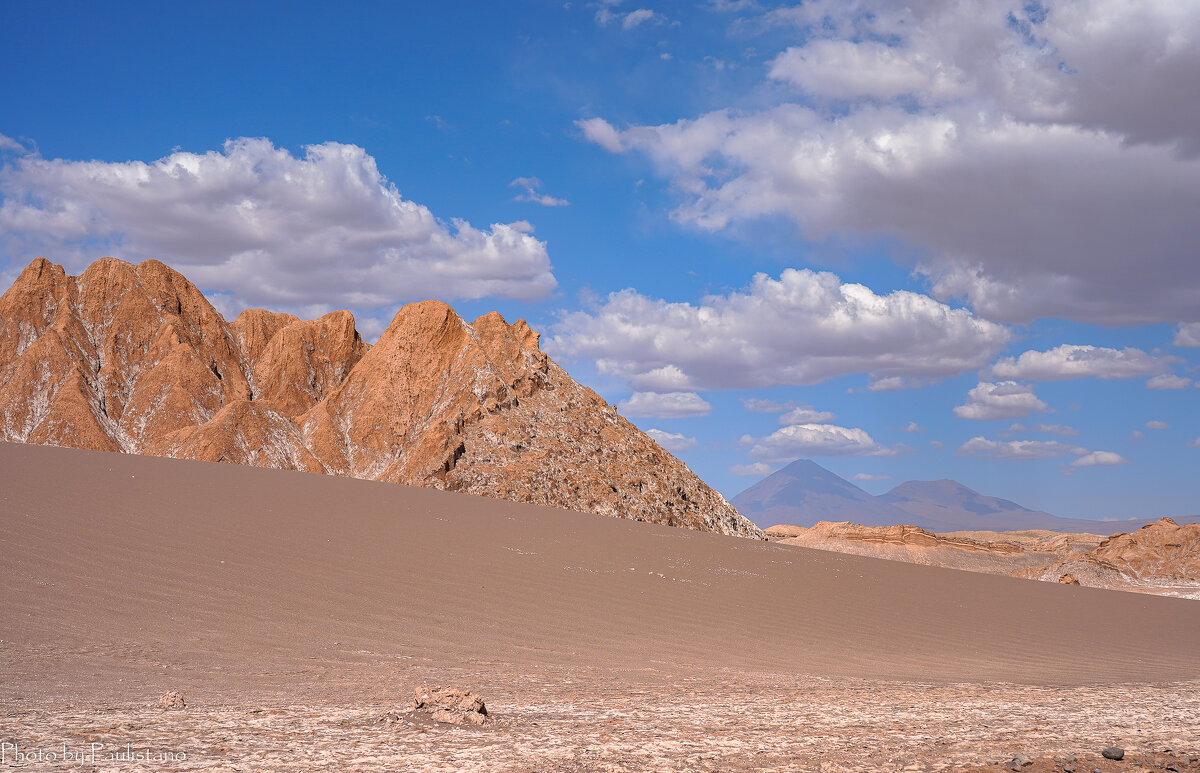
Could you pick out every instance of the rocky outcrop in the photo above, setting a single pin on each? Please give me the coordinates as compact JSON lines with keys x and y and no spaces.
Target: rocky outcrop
{"x":911,"y":544}
{"x":135,"y":359}
{"x":112,"y":358}
{"x":1159,"y":557}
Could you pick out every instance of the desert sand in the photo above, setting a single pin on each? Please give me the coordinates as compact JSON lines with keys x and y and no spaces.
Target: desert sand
{"x":294,"y":611}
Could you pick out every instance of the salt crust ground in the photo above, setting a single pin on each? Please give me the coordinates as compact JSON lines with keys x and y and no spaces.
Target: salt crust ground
{"x":645,"y":720}
{"x":294,"y":611}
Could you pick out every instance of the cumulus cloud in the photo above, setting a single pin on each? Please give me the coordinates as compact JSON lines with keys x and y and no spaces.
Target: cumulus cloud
{"x":805,"y":414}
{"x":912,"y":426}
{"x":928,"y":123}
{"x":665,"y":405}
{"x":868,"y":476}
{"x":798,"y":440}
{"x":1188,"y":335}
{"x":841,"y":69}
{"x":1099,"y":459}
{"x":802,"y":328}
{"x":530,"y":191}
{"x":1000,"y":400}
{"x":639,"y":17}
{"x":1157,"y":425}
{"x":1071,"y":361}
{"x":322,"y":229}
{"x":673,"y":442}
{"x":1018,"y":449}
{"x":1195,"y":443}
{"x":1168,"y":381}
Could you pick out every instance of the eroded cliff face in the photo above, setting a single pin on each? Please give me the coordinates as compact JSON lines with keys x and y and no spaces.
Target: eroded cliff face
{"x":135,"y":359}
{"x":1160,"y":557}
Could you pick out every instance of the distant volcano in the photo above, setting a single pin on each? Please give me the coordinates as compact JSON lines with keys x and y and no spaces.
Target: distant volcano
{"x":804,"y":493}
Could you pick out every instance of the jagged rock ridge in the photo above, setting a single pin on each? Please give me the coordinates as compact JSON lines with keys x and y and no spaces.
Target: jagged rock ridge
{"x":135,"y":359}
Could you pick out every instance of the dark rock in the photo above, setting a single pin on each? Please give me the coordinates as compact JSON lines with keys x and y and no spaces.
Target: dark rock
{"x":1113,"y":753}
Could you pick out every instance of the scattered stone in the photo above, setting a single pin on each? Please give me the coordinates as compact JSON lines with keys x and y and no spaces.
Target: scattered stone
{"x":1070,"y":758}
{"x":450,"y":706}
{"x":171,"y":701}
{"x":1068,"y":579}
{"x":1020,"y":761}
{"x":1113,"y":753}
{"x":1069,"y":768}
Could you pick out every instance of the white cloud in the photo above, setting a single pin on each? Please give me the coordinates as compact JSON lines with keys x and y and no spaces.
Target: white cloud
{"x":602,"y":133}
{"x":805,"y":414}
{"x":1188,"y":334}
{"x":797,"y":440}
{"x":1071,"y":361}
{"x":889,"y":384}
{"x":757,"y":469}
{"x":868,"y":476}
{"x":1195,"y":443}
{"x":638,"y":17}
{"x":530,"y":192}
{"x":759,"y":405}
{"x":1168,"y":381}
{"x":1157,"y":425}
{"x":1049,"y":429}
{"x":8,"y":143}
{"x":1001,"y":400}
{"x":1099,"y":459}
{"x":1056,"y":429}
{"x":665,"y":405}
{"x":324,"y":229}
{"x":673,"y":442}
{"x":944,"y":113}
{"x":802,"y":328}
{"x":840,"y":69}
{"x":1137,"y":434}
{"x":1018,"y":449}
{"x":630,"y":20}
{"x":912,"y":426}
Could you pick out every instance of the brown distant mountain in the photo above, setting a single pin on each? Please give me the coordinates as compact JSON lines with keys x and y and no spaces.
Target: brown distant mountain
{"x":135,"y":359}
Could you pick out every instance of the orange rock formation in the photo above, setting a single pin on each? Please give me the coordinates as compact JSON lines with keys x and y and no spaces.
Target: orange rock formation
{"x":1159,"y":556}
{"x":135,"y":359}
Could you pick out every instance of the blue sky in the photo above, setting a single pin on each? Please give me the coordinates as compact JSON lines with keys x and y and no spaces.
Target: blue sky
{"x":951,"y":242}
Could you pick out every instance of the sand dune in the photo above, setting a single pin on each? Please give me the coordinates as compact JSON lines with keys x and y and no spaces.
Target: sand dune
{"x":226,"y":580}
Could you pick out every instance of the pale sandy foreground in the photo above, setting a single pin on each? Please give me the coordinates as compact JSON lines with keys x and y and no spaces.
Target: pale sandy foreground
{"x":294,"y":611}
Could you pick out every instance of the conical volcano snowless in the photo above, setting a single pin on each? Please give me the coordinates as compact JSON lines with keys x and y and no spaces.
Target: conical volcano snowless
{"x":135,"y":359}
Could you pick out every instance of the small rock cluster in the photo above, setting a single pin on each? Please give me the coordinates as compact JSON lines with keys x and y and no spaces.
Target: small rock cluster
{"x":171,"y":701}
{"x":1169,"y":760}
{"x":450,"y":706}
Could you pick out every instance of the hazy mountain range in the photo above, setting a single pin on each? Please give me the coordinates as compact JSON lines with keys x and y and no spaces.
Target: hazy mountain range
{"x":804,"y":492}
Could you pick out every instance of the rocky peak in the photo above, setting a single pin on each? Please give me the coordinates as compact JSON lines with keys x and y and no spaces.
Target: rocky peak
{"x":254,"y":328}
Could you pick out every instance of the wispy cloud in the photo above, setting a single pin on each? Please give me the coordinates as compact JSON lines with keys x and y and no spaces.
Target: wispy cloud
{"x":530,"y":191}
